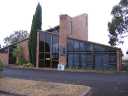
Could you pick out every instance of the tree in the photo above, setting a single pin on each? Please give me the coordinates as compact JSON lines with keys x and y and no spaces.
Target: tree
{"x":118,"y":27}
{"x":36,"y":25}
{"x":17,"y":52}
{"x":16,"y":37}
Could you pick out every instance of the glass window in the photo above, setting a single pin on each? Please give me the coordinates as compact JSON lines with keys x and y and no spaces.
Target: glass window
{"x":55,"y":51}
{"x":105,"y":59}
{"x":55,"y":44}
{"x":49,"y":50}
{"x":70,"y":60}
{"x":99,"y":62}
{"x":88,"y":46}
{"x":89,"y":60}
{"x":106,"y":63}
{"x":41,"y":60}
{"x":70,"y":45}
{"x":42,"y":36}
{"x":112,"y":58}
{"x":41,"y":41}
{"x":76,"y":60}
{"x":76,"y":45}
{"x":110,"y":49}
{"x":82,"y":46}
{"x":83,"y":60}
{"x":41,"y":46}
{"x":47,"y":42}
{"x":99,"y":48}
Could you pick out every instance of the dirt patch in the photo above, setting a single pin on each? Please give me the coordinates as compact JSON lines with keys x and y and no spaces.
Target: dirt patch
{"x":40,"y":88}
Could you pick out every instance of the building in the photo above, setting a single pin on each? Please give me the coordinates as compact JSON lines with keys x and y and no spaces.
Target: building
{"x":68,"y":45}
{"x":6,"y":53}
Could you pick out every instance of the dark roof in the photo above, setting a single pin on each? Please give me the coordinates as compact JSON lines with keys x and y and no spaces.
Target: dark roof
{"x":53,"y":29}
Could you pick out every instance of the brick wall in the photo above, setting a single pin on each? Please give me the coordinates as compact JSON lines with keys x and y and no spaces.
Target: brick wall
{"x":4,"y":58}
{"x":119,"y":60}
{"x":65,"y":30}
{"x":24,"y":45}
{"x":80,"y":27}
{"x":76,"y":27}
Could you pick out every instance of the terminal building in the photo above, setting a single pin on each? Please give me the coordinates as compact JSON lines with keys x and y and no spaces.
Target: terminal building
{"x":67,"y":44}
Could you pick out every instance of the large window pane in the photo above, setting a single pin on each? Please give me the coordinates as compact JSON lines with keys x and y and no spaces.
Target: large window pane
{"x":55,"y":44}
{"x":88,"y":46}
{"x":55,"y":51}
{"x":47,"y":42}
{"x":87,"y":54}
{"x":99,"y":48}
{"x":42,"y":60}
{"x":49,"y":50}
{"x":112,"y":58}
{"x":83,"y":60}
{"x":89,"y":60}
{"x":70,"y":60}
{"x":70,"y":45}
{"x":105,"y":60}
{"x":76,"y":45}
{"x":99,"y":62}
{"x":76,"y":60}
{"x":82,"y":46}
{"x":41,"y":47}
{"x":42,"y":42}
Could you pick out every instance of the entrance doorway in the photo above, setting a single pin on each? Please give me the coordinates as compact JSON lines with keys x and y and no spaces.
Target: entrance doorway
{"x":48,"y":50}
{"x":12,"y":59}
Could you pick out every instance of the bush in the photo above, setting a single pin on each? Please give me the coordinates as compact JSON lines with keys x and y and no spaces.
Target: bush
{"x":28,"y":65}
{"x":1,"y":66}
{"x":21,"y":61}
{"x":126,"y":67}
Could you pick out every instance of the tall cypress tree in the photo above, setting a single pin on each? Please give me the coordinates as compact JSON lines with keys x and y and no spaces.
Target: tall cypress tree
{"x":36,"y":25}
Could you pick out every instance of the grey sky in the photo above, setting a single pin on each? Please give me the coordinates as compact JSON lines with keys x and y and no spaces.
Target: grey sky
{"x":17,"y":14}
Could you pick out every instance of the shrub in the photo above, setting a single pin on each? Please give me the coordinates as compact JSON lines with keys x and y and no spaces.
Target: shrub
{"x":21,"y":61}
{"x":1,"y":66}
{"x":18,"y":53}
{"x":126,"y":67}
{"x":28,"y":65}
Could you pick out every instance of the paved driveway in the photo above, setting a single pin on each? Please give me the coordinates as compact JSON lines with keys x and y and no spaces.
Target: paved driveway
{"x":115,"y":84}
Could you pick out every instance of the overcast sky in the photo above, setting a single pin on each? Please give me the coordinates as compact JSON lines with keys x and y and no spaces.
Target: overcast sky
{"x":17,"y":15}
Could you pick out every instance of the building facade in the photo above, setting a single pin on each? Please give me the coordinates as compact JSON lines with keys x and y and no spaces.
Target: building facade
{"x":68,"y":45}
{"x":6,"y":53}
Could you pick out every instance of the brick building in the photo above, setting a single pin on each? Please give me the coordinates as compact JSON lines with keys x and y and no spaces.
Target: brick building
{"x":68,"y":45}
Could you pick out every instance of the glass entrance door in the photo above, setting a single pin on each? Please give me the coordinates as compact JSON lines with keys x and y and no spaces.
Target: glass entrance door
{"x":48,"y":50}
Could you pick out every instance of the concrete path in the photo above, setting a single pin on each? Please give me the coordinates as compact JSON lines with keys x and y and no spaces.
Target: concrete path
{"x":113,"y":84}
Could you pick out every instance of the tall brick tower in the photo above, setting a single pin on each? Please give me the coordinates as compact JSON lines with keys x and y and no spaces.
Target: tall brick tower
{"x":74,"y":27}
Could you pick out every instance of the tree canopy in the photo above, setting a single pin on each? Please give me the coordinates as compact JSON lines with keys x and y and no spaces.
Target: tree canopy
{"x":118,"y":27}
{"x":16,"y":36}
{"x":36,"y":25}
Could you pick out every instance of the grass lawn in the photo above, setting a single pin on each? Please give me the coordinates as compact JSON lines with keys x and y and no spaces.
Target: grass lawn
{"x":40,"y":88}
